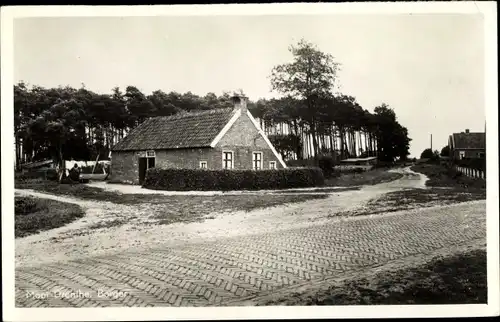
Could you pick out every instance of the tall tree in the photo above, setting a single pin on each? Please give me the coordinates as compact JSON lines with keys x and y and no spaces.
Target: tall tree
{"x":392,"y":138}
{"x":310,"y":76}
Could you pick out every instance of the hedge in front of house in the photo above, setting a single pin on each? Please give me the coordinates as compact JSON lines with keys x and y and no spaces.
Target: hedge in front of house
{"x":226,"y":180}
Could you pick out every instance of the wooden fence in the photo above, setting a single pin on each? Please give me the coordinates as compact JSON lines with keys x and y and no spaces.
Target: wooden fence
{"x":474,"y":173}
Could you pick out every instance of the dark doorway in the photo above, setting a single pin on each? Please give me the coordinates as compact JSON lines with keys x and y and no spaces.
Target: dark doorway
{"x":144,"y":164}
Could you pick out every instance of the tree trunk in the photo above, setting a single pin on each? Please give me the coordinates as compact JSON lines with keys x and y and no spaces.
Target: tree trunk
{"x":335,"y":141}
{"x":353,"y":136}
{"x":360,"y":144}
{"x":341,"y":132}
{"x":314,"y":140}
{"x":297,"y":147}
{"x":332,"y":140}
{"x":367,"y":140}
{"x":370,"y":142}
{"x":18,"y":152}
{"x":62,"y":164}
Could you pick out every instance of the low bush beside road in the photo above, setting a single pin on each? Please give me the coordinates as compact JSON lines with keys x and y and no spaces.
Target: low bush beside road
{"x":226,"y":180}
{"x":33,"y":215}
{"x":443,"y":176}
{"x":362,"y":178}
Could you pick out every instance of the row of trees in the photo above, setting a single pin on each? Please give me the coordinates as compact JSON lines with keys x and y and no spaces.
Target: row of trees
{"x":67,"y":123}
{"x":307,"y":120}
{"x":332,"y":122}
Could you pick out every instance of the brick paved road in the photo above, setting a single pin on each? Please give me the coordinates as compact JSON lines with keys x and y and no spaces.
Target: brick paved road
{"x":228,"y":269}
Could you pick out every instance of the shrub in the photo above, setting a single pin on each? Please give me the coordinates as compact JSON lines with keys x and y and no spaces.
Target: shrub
{"x":384,"y":164}
{"x":34,"y":215}
{"x":427,"y":154}
{"x":24,"y":206}
{"x":302,"y":163}
{"x":327,"y":164}
{"x":46,"y":174}
{"x":225,"y":180}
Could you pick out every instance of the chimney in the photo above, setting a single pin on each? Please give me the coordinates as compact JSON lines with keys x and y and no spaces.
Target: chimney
{"x":240,"y":102}
{"x":466,"y":130}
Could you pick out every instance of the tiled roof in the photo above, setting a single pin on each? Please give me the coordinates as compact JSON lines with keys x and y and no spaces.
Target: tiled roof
{"x":187,"y":130}
{"x":470,"y":140}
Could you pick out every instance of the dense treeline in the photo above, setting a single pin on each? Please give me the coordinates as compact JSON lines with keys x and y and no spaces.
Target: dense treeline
{"x":66,"y":123}
{"x":306,"y":120}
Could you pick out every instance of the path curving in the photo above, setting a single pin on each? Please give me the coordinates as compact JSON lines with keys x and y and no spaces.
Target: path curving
{"x":243,"y":269}
{"x":80,"y":239}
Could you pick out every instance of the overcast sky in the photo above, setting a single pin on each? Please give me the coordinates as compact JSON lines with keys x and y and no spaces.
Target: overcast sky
{"x":428,"y":68}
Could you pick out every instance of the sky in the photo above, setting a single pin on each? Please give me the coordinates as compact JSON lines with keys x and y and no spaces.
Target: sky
{"x":428,"y":68}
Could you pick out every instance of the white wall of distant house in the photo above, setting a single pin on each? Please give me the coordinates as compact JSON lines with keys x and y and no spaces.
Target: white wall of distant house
{"x":71,"y":164}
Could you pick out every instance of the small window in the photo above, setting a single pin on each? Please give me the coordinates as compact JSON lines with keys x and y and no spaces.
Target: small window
{"x":150,"y":154}
{"x":257,"y":160}
{"x":272,"y":165}
{"x":462,"y":154}
{"x":203,"y":164}
{"x":227,"y":159}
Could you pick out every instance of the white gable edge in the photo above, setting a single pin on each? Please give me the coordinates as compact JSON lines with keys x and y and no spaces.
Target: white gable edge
{"x":257,"y":126}
{"x":225,"y":128}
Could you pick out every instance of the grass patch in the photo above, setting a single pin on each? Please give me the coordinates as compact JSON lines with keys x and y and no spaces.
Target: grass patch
{"x":73,"y":190}
{"x":97,"y":194}
{"x":421,"y":197}
{"x":196,"y":208}
{"x":371,"y":177}
{"x":164,"y":209}
{"x":445,"y":186}
{"x":318,"y":190}
{"x":458,"y":279}
{"x":414,"y":198}
{"x":442,"y":176}
{"x":33,"y":215}
{"x":108,"y":224}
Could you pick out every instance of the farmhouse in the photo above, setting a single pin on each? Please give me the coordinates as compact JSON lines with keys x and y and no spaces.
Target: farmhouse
{"x":467,"y":145}
{"x":214,"y":139}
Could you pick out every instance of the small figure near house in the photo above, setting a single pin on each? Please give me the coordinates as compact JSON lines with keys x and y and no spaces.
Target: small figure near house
{"x":74,"y":173}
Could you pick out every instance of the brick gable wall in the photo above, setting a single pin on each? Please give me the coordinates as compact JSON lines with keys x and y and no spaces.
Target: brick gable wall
{"x":244,"y":139}
{"x":124,"y":167}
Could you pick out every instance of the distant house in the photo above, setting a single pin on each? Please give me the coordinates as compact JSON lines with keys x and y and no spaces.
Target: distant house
{"x":358,"y":163}
{"x":467,"y":145}
{"x":214,"y":139}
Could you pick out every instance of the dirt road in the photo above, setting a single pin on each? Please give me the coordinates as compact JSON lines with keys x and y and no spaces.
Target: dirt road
{"x":79,"y":239}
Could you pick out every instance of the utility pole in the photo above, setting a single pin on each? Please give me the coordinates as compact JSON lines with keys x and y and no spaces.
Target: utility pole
{"x":431,"y":142}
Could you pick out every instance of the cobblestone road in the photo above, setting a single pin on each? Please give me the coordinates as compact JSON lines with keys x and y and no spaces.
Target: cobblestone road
{"x":229,"y":269}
